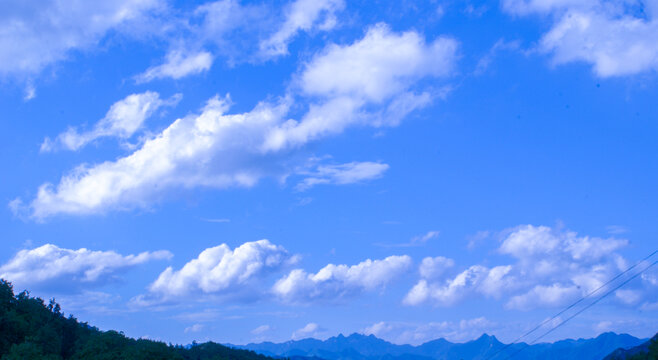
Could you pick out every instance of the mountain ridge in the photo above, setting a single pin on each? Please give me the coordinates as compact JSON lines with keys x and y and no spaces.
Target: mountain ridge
{"x":369,"y":347}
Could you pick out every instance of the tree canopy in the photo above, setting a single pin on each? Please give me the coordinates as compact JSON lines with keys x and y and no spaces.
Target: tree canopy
{"x":30,"y":329}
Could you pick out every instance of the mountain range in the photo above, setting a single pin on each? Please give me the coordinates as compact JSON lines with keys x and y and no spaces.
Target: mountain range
{"x":369,"y":347}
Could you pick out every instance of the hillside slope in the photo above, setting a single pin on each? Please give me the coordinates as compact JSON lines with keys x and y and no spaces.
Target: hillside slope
{"x":31,"y":330}
{"x":645,"y":351}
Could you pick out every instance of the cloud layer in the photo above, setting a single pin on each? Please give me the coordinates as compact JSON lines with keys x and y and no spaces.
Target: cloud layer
{"x":616,"y":38}
{"x":50,"y":264}
{"x":334,"y":282}
{"x":551,"y":268}
{"x":37,"y":34}
{"x":219,"y":150}
{"x":220,"y":270}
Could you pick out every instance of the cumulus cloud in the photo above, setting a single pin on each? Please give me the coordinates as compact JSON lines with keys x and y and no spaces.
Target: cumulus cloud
{"x":616,"y":38}
{"x":220,"y":271}
{"x":529,"y":241}
{"x":50,"y":264}
{"x":342,"y":174}
{"x":35,"y":34}
{"x":378,"y":66}
{"x":334,"y":282}
{"x":434,"y":267}
{"x":551,"y":268}
{"x":378,"y":69}
{"x":219,"y":150}
{"x":178,"y":64}
{"x":209,"y":149}
{"x":476,"y":279}
{"x":124,"y":118}
{"x":301,"y":15}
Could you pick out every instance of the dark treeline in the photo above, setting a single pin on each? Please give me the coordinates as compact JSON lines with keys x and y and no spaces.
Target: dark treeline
{"x":30,"y":329}
{"x":646,"y":351}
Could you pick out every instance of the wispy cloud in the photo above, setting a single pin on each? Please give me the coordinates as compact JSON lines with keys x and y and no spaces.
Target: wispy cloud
{"x":124,"y":118}
{"x":218,"y":220}
{"x":419,"y":240}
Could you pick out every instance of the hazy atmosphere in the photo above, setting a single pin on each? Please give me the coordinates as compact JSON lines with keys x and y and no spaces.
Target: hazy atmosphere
{"x":246,"y":171}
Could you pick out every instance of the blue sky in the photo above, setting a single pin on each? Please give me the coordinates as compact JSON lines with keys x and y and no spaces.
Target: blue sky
{"x":247,"y":171}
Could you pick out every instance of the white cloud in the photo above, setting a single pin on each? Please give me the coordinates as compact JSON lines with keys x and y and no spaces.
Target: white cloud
{"x":550,"y":267}
{"x":526,"y":7}
{"x":650,"y":278}
{"x":485,"y":61}
{"x":35,"y":34}
{"x":261,"y":330}
{"x":30,"y":92}
{"x":194,"y":328}
{"x":433,"y":234}
{"x":219,"y":220}
{"x":220,"y":270}
{"x":529,"y":241}
{"x":616,"y":229}
{"x":334,"y":282}
{"x":309,"y":330}
{"x":342,"y":174}
{"x":210,"y":149}
{"x":124,"y":118}
{"x":545,"y":296}
{"x":434,"y":267}
{"x":414,"y":241}
{"x":301,"y":15}
{"x":50,"y":264}
{"x":220,"y":17}
{"x":378,"y":66}
{"x":628,"y":296}
{"x":379,"y":69}
{"x":91,"y":302}
{"x":650,"y":306}
{"x":476,"y":279}
{"x":219,"y":150}
{"x":178,"y":64}
{"x":610,"y":36}
{"x":478,"y":237}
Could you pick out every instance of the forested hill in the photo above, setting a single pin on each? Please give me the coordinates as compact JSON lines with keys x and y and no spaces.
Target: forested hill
{"x":646,"y":351}
{"x":30,"y":329}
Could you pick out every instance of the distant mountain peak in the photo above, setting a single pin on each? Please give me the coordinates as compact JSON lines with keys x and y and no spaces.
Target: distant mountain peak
{"x":369,"y":347}
{"x":488,"y":338}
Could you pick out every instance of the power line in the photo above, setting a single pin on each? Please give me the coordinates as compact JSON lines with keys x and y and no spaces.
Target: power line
{"x":571,"y":306}
{"x":583,"y":309}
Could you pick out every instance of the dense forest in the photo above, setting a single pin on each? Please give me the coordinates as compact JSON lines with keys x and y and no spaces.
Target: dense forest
{"x":646,"y":351}
{"x":30,"y":329}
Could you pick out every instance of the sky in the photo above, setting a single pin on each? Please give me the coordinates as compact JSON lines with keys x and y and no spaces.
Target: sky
{"x":266,"y":171}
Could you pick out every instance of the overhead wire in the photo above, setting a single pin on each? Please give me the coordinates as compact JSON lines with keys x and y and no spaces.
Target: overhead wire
{"x":583,"y":309}
{"x":515,"y":341}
